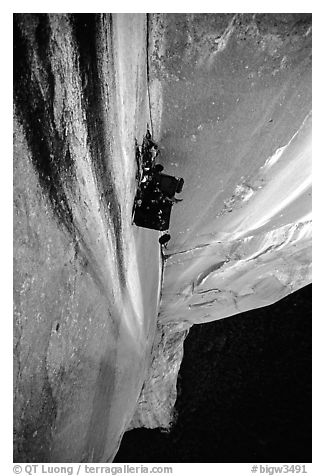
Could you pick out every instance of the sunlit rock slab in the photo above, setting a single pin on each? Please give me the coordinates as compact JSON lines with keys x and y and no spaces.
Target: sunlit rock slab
{"x":231,"y":102}
{"x":234,"y":120}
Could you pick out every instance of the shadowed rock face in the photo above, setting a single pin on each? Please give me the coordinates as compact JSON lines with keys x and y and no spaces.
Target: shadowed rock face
{"x":85,"y":310}
{"x":230,"y":104}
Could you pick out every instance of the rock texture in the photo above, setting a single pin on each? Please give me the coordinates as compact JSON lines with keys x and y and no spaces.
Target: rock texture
{"x":228,"y":98}
{"x":85,"y":306}
{"x":234,"y":119}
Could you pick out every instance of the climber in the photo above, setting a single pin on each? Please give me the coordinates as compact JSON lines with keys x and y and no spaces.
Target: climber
{"x":163,"y":240}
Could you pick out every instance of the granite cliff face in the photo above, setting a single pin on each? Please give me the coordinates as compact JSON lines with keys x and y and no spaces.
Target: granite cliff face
{"x":100,"y":316}
{"x":85,"y":309}
{"x":234,"y":119}
{"x":236,"y":123}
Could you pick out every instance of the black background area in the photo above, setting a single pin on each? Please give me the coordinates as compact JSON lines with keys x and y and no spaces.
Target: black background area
{"x":244,"y":391}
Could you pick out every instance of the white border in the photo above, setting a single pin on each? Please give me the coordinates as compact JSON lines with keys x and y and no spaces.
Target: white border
{"x":318,"y":201}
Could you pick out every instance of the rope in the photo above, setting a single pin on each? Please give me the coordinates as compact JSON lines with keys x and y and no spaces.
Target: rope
{"x":148,"y":87}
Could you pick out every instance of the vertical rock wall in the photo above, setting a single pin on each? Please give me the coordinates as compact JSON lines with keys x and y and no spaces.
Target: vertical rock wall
{"x":229,"y":101}
{"x":85,"y":306}
{"x":232,"y":107}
